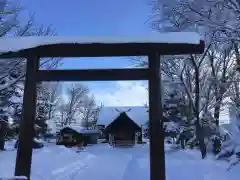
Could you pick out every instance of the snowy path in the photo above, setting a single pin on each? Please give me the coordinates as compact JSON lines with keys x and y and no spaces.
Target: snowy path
{"x":134,"y":170}
{"x":117,"y":163}
{"x":101,"y":162}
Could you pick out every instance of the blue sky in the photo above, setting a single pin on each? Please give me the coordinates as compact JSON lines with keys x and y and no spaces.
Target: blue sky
{"x":96,"y":18}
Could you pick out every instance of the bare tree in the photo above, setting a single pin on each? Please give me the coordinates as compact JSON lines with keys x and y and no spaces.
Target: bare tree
{"x":90,"y":112}
{"x":54,"y":92}
{"x":15,"y":68}
{"x":199,"y":128}
{"x":62,"y":108}
{"x":76,"y":94}
{"x":215,"y":20}
{"x":221,"y":61}
{"x":12,"y":71}
{"x":218,"y":17}
{"x":206,"y":78}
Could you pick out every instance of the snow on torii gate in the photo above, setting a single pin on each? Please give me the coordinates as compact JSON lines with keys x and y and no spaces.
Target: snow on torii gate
{"x":33,"y":48}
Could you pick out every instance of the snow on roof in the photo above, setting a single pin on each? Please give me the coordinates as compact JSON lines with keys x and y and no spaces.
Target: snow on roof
{"x":82,"y":130}
{"x":15,"y":44}
{"x":137,"y":113}
{"x":2,"y":120}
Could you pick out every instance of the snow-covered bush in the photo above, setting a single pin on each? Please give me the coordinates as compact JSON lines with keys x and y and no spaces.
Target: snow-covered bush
{"x":213,"y":138}
{"x":171,"y":116}
{"x":176,"y":123}
{"x":231,"y":147}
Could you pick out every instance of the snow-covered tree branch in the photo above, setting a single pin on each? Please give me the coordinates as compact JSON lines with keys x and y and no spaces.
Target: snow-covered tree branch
{"x":89,"y":112}
{"x":76,"y":94}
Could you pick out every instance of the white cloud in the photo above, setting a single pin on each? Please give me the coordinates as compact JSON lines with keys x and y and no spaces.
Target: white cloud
{"x":119,"y":93}
{"x":125,"y":93}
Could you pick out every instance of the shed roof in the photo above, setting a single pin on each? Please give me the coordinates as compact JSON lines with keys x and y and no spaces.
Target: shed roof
{"x":82,"y":130}
{"x":2,"y":120}
{"x":55,"y":46}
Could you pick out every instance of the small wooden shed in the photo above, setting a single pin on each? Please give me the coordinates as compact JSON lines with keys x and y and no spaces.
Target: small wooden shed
{"x":77,"y":136}
{"x":123,"y":131}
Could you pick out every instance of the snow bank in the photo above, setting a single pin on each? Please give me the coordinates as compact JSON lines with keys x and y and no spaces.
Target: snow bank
{"x":14,"y":44}
{"x":37,"y":140}
{"x":14,"y":178}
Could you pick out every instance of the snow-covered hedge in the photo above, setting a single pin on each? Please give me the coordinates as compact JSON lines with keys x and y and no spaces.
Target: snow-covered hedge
{"x":231,"y":147}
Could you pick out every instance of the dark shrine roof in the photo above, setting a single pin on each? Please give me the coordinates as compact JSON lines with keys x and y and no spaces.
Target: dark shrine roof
{"x":108,"y":114}
{"x":122,"y":121}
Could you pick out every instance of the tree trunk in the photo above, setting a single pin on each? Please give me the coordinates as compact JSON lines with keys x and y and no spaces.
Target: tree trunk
{"x":217,"y":110}
{"x":50,"y":112}
{"x":2,"y":135}
{"x":200,"y":138}
{"x":199,"y":129}
{"x":237,"y":56}
{"x":1,"y":142}
{"x":216,"y":91}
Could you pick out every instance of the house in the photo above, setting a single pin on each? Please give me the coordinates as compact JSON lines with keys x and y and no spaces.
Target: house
{"x":123,"y":131}
{"x":72,"y":136}
{"x":123,"y":124}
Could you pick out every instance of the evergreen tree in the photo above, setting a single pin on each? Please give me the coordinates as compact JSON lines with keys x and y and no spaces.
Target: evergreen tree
{"x":173,"y":117}
{"x":42,"y":109}
{"x":17,"y":115}
{"x":7,"y":103}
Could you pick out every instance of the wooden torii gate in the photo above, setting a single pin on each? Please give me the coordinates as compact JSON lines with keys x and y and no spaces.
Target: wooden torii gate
{"x":153,"y":50}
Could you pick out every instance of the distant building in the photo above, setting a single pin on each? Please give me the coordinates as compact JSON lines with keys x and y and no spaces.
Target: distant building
{"x":77,"y":136}
{"x":123,"y":131}
{"x":123,"y":125}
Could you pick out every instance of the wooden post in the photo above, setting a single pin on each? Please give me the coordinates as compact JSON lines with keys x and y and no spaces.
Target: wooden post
{"x":24,"y":152}
{"x":157,"y":154}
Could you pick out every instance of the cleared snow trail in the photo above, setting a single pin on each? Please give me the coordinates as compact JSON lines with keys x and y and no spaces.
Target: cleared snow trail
{"x":68,"y":172}
{"x":110,"y":163}
{"x":135,"y":169}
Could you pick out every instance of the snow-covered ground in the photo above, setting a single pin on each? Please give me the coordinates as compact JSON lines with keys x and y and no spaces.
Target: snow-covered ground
{"x":101,"y":162}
